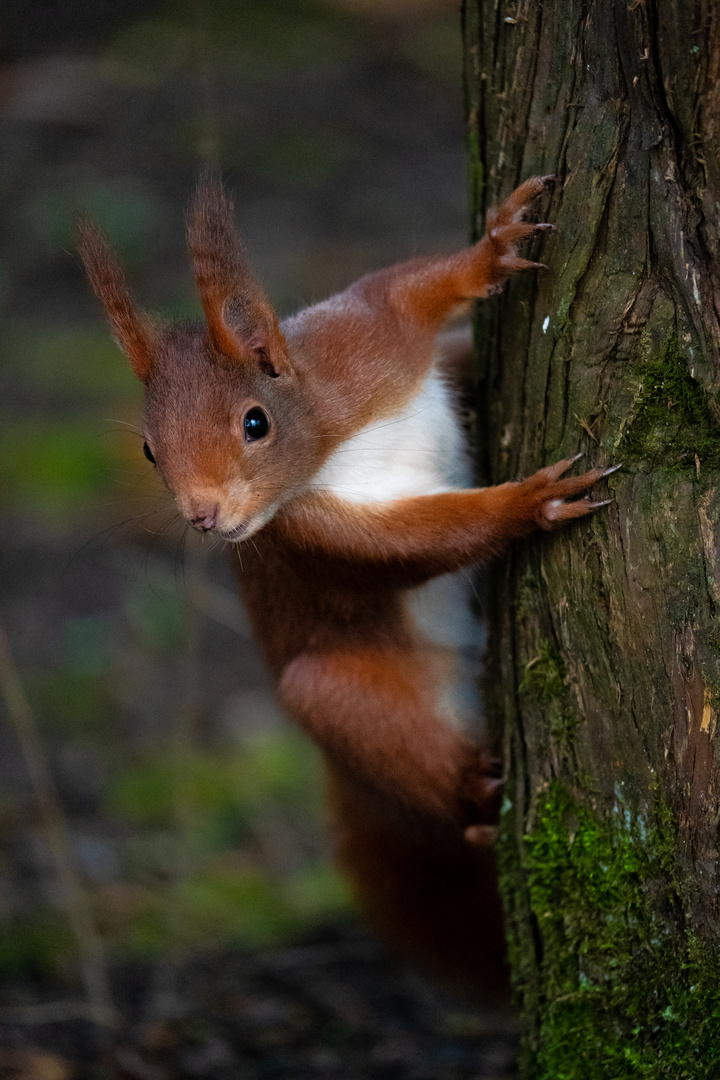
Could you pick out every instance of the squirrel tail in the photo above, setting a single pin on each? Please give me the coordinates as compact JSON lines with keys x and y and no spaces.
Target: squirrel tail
{"x":430,"y":894}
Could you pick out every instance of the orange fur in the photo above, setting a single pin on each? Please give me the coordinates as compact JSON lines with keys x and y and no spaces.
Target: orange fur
{"x":223,"y":279}
{"x":136,"y":335}
{"x":328,"y":576}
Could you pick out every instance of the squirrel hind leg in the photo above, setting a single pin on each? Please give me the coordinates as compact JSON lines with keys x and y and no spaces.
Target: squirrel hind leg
{"x":430,"y":895}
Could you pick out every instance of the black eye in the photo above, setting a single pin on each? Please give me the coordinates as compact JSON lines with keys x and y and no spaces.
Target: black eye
{"x":148,"y":453}
{"x":256,"y":424}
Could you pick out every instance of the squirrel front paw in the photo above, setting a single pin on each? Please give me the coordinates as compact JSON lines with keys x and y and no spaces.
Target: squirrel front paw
{"x":548,"y":491}
{"x":505,"y":229}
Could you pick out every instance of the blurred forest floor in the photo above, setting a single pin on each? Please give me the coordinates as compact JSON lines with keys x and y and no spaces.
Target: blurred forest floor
{"x":192,"y":812}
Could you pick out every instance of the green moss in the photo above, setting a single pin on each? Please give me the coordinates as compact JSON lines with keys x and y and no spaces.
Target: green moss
{"x":618,"y":992}
{"x":672,"y":424}
{"x":545,"y":681}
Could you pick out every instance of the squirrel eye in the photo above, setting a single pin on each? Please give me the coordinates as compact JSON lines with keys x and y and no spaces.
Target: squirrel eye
{"x":148,"y":453}
{"x":255,"y":424}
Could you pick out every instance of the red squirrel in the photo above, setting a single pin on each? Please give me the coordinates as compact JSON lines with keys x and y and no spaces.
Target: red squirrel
{"x":331,"y":439}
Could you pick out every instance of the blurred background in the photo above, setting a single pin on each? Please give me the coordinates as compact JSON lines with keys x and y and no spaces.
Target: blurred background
{"x":188,"y":812}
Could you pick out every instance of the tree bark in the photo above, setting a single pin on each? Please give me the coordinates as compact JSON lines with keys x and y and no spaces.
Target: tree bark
{"x":604,"y":637}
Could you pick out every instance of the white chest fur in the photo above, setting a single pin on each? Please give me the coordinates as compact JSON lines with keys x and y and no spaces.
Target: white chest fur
{"x":421,"y":451}
{"x":418,"y":451}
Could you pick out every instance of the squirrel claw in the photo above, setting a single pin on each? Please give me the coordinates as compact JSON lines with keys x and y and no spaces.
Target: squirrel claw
{"x":492,"y":784}
{"x":481,"y":835}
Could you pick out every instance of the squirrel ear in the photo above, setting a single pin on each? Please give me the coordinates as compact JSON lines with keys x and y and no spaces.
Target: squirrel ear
{"x":134,"y":331}
{"x":241,"y":322}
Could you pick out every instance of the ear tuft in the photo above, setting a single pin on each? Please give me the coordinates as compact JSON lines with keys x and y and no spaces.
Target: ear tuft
{"x":135,"y":333}
{"x":237,"y":312}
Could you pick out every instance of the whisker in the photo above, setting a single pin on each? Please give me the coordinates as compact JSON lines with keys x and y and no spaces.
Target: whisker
{"x":345,"y":488}
{"x":469,"y":576}
{"x":381,"y":427}
{"x":180,"y":558}
{"x":157,"y":533}
{"x":104,"y":534}
{"x":447,"y":454}
{"x":398,"y":419}
{"x":123,"y":423}
{"x":333,"y":488}
{"x":216,"y":541}
{"x":148,"y":551}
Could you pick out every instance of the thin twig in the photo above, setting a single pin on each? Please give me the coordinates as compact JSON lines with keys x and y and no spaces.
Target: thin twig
{"x":76,"y":904}
{"x":164,"y":1002}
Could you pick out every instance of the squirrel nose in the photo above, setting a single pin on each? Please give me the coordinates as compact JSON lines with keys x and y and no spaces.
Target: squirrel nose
{"x":205,"y":518}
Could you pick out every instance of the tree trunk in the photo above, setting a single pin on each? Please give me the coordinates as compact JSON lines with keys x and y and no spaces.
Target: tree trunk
{"x":604,"y":636}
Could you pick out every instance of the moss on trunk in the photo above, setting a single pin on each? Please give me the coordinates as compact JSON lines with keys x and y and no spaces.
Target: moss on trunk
{"x":628,"y":990}
{"x":605,"y":634}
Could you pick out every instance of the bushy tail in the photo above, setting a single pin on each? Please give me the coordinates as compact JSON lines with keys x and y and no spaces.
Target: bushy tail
{"x":430,"y":894}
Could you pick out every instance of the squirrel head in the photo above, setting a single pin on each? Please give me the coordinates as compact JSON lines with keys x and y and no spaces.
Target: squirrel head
{"x":227,"y":419}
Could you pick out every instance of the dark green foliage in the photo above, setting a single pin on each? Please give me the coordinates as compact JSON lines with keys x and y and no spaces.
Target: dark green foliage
{"x":70,"y":702}
{"x":157,"y":612}
{"x":244,"y":875}
{"x":53,"y":466}
{"x":36,"y":944}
